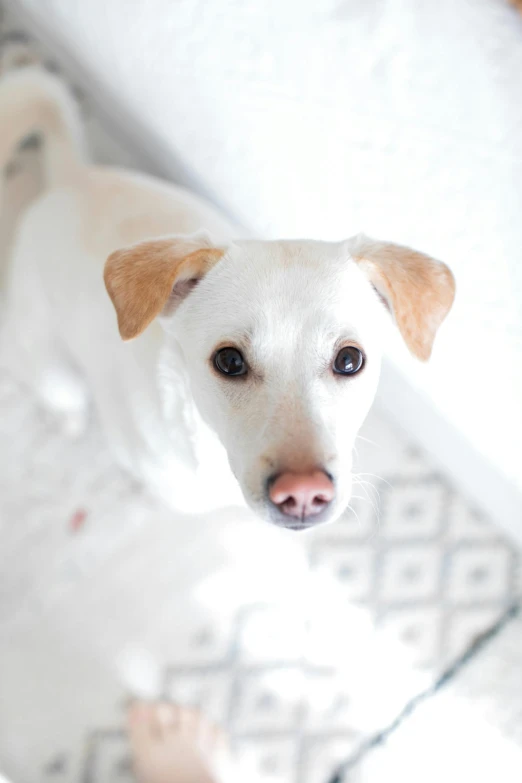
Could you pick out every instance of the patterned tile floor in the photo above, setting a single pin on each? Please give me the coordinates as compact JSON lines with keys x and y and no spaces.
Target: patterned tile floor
{"x":304,"y":654}
{"x":307,"y":650}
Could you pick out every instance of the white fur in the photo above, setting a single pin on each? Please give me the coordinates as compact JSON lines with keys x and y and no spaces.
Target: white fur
{"x":169,"y":417}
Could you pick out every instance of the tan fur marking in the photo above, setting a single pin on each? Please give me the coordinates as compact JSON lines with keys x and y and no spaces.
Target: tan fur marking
{"x":419,"y":289}
{"x":139,"y":279}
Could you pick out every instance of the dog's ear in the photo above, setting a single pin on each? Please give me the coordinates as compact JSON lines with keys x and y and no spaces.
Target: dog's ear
{"x":153,"y":276}
{"x":417,"y":289}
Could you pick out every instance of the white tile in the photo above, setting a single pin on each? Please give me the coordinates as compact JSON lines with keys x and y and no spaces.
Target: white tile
{"x":353,"y":568}
{"x":414,"y":510}
{"x":268,"y":760}
{"x":479,"y":574}
{"x":269,"y":701}
{"x":419,"y":629}
{"x":410,"y":573}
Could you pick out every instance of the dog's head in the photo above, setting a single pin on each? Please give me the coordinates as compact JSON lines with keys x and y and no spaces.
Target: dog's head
{"x":282,"y":343}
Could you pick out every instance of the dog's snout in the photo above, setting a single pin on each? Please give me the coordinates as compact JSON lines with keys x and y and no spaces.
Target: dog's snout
{"x":301,"y":496}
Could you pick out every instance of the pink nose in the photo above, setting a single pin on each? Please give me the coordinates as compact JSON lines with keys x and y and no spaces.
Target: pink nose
{"x":302,"y":495}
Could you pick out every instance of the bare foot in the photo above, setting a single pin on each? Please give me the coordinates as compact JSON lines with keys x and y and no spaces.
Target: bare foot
{"x":172,"y":744}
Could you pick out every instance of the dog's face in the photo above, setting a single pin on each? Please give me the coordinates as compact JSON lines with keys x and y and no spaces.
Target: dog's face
{"x":282,"y":343}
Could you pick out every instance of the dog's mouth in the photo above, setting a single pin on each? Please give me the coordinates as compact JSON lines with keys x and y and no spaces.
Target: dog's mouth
{"x":300,"y":525}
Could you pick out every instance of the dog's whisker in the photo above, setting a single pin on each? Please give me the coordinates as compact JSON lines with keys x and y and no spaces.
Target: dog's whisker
{"x":364,"y":483}
{"x":375,"y":476}
{"x":368,"y":440}
{"x":374,"y":504}
{"x":351,"y":508}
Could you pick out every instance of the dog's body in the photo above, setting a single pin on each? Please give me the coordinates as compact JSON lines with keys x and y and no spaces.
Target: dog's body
{"x":172,"y":416}
{"x":59,"y":315}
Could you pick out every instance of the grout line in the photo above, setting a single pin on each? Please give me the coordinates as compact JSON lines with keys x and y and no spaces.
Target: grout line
{"x":447,"y":676}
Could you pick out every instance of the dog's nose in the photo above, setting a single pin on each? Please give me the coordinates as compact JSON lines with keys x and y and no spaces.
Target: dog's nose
{"x":302,"y":495}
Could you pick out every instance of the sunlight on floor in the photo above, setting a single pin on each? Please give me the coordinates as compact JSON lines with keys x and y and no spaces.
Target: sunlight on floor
{"x":445,"y":739}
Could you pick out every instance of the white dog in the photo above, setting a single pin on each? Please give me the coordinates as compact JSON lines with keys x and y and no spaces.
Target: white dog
{"x":241,"y":367}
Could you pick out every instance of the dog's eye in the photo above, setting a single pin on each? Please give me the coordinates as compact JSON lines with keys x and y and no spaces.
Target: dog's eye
{"x":229,"y":361}
{"x":348,"y":361}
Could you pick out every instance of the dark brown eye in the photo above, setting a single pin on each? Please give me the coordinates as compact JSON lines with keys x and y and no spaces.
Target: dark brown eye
{"x":348,"y":361}
{"x":229,"y":361}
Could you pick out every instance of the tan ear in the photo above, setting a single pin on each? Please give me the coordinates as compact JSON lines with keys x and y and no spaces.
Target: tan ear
{"x":140,"y":279}
{"x":418,"y":290}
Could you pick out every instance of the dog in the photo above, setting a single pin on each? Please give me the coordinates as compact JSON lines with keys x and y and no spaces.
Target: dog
{"x":224,"y":369}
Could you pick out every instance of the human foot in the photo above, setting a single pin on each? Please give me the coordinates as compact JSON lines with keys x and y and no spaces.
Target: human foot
{"x":172,"y":744}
